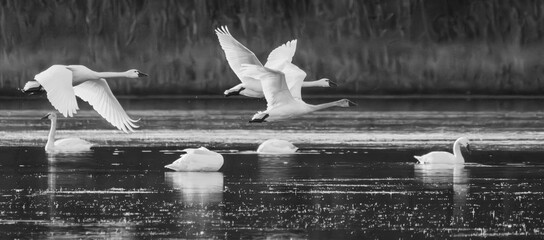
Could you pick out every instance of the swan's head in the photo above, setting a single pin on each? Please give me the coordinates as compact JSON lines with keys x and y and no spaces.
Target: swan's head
{"x":325,"y":82}
{"x":259,"y":117}
{"x":32,"y":87}
{"x":464,"y":142}
{"x":346,"y":103}
{"x":135,"y":73}
{"x":234,"y":91}
{"x":50,"y":115}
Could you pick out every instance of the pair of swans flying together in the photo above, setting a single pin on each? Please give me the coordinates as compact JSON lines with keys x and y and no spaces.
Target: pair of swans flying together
{"x":63,"y":83}
{"x":279,"y":59}
{"x":279,"y":80}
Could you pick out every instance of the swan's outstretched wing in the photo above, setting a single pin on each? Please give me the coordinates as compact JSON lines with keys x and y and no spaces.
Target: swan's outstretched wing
{"x":281,"y":54}
{"x":99,"y":95}
{"x":294,"y":77}
{"x":57,"y":82}
{"x":237,"y":54}
{"x":275,"y":88}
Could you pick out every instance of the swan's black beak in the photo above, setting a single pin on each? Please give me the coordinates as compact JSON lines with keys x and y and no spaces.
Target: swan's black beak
{"x":261,"y":120}
{"x":351,"y":104}
{"x":46,"y":116}
{"x":468,"y":149}
{"x":141,"y":74}
{"x":28,"y":90}
{"x":332,"y":84}
{"x":231,"y":94}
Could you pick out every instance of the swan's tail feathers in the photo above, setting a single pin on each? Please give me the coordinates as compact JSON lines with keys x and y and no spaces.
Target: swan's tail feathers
{"x":419,"y":159}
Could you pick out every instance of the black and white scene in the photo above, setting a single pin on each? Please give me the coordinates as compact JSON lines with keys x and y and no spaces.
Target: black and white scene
{"x":271,"y":119}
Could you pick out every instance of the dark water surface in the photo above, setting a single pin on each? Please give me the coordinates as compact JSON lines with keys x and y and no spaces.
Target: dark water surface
{"x":355,"y":177}
{"x":126,"y":193}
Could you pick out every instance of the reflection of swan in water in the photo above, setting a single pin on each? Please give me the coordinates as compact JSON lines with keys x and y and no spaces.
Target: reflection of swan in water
{"x":276,"y":146}
{"x":197,"y":187}
{"x":442,"y":176}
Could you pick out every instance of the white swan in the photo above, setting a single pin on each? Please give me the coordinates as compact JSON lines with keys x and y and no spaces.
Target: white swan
{"x":282,"y":103}
{"x":66,"y":144}
{"x":197,"y":160}
{"x":237,"y":54}
{"x":441,"y":157}
{"x":63,"y":83}
{"x":277,"y":146}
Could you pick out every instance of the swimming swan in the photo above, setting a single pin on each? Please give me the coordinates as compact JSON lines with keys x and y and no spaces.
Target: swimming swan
{"x":237,"y":54}
{"x":282,"y":103}
{"x":197,"y":160}
{"x":63,"y":83}
{"x":66,"y":144}
{"x":277,"y":146}
{"x":441,"y":157}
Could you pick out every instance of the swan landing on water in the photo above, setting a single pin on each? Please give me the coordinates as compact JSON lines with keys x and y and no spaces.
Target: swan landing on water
{"x":63,"y":83}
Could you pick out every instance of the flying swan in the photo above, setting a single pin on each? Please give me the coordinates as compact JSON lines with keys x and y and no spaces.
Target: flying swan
{"x":237,"y":54}
{"x":441,"y":157}
{"x":281,"y":103}
{"x":63,"y":83}
{"x":66,"y":144}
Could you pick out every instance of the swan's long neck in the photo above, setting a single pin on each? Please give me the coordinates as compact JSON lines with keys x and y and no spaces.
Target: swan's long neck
{"x":316,"y":83}
{"x":457,"y":151}
{"x":311,"y":84}
{"x":51,"y":138}
{"x":111,"y":74}
{"x":326,"y":105}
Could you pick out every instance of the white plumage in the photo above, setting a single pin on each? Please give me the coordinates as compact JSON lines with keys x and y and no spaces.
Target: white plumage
{"x":63,"y":83}
{"x":277,"y":146}
{"x":197,"y":160}
{"x":282,"y":102}
{"x":441,"y":157}
{"x":66,"y":144}
{"x":237,"y":54}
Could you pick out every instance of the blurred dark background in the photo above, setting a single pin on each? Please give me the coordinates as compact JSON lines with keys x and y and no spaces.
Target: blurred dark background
{"x":369,"y":47}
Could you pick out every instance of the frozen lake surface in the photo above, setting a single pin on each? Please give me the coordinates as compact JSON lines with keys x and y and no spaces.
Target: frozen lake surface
{"x":355,"y":176}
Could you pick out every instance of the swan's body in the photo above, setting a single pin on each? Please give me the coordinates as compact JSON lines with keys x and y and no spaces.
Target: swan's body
{"x":237,"y":54}
{"x":277,"y":146}
{"x":441,"y":157}
{"x":66,"y":144}
{"x":197,"y":160}
{"x":283,"y":103}
{"x":63,"y":83}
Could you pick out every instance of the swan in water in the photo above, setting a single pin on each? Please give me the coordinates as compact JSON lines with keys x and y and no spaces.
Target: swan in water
{"x":441,"y":157}
{"x":237,"y":54}
{"x":197,"y":160}
{"x":66,"y":144}
{"x":277,"y":146}
{"x":281,"y":103}
{"x":63,"y":83}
